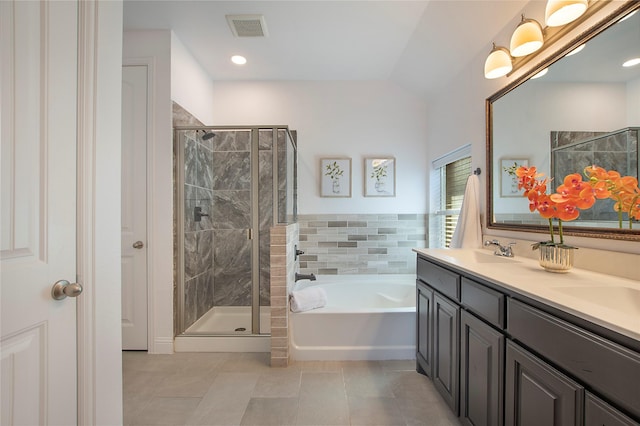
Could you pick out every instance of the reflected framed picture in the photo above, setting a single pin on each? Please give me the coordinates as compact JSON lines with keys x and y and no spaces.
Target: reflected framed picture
{"x":335,"y":177}
{"x":508,"y":179}
{"x":380,"y":177}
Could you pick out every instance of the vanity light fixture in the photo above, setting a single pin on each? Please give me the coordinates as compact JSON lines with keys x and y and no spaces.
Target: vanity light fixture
{"x":527,"y":38}
{"x":631,"y":62}
{"x":238,"y":59}
{"x":561,"y":12}
{"x":498,"y":63}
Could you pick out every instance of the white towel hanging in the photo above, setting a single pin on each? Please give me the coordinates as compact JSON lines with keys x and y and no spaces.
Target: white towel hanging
{"x":468,"y":232}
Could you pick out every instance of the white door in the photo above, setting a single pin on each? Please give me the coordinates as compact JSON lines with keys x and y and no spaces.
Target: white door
{"x":134,"y":207}
{"x":38,"y":59}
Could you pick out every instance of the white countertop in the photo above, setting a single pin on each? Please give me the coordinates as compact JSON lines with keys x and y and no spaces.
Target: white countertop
{"x":606,"y":300}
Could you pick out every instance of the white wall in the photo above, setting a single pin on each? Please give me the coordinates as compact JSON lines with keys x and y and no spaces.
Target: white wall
{"x":633,"y":103}
{"x":154,"y":47}
{"x":190,"y":84}
{"x":339,"y":118}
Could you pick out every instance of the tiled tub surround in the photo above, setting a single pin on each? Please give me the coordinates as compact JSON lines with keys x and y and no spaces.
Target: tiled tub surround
{"x":360,"y":243}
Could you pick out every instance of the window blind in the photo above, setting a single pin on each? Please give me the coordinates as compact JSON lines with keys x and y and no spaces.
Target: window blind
{"x":456,"y":175}
{"x":448,"y":182}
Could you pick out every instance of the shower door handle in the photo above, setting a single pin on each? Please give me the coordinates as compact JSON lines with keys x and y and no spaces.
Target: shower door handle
{"x":249,"y":234}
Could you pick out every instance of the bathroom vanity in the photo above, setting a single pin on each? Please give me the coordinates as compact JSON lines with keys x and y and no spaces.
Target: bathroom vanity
{"x":507,"y":343}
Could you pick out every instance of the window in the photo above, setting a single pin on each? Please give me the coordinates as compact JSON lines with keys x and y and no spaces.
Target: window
{"x":448,"y":182}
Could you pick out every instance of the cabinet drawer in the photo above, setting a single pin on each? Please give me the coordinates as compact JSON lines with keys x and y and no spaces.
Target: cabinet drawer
{"x":606,"y":367}
{"x":598,"y":413}
{"x":482,"y":300}
{"x":443,"y":280}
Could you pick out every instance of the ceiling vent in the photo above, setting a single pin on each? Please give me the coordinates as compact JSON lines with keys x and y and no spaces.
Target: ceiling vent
{"x":247,"y":25}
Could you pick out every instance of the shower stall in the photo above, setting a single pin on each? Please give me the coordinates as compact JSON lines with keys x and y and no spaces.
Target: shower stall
{"x":232,"y":185}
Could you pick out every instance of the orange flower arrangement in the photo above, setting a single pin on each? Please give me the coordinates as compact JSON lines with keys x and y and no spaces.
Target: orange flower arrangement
{"x":575,"y":194}
{"x":564,"y":205}
{"x":622,"y":189}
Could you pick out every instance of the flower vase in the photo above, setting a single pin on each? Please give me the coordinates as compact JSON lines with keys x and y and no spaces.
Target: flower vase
{"x":556,"y":259}
{"x":379,"y":186}
{"x":336,"y":186}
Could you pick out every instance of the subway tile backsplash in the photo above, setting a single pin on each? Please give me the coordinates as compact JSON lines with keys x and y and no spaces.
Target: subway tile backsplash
{"x":337,"y":244}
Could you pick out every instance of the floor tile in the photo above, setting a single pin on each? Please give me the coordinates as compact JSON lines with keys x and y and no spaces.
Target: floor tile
{"x":234,"y":389}
{"x":375,"y":411}
{"x":278,"y":383}
{"x":226,"y":400}
{"x":186,"y":384}
{"x":166,"y":411}
{"x":323,"y":410}
{"x":426,"y":413}
{"x":322,"y":385}
{"x":270,"y":411}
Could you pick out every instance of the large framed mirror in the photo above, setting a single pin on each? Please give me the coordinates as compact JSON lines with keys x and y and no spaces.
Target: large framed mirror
{"x":585,"y":110}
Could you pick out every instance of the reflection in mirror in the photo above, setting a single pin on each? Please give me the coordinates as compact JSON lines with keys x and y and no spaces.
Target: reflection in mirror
{"x":585,"y":110}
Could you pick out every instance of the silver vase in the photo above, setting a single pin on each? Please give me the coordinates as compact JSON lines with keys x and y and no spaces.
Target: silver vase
{"x":556,"y":259}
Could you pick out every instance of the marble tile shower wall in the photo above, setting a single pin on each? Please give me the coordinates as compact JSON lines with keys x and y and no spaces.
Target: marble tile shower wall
{"x":361,"y":243}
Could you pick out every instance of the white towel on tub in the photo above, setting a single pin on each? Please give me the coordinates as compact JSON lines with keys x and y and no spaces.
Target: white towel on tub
{"x":307,"y":299}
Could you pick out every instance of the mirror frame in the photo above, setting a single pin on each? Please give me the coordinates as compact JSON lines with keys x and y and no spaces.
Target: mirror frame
{"x":592,"y":31}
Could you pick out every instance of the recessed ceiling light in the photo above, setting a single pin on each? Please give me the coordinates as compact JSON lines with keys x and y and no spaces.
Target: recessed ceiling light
{"x":238,"y":60}
{"x":541,"y":73}
{"x":576,"y":50}
{"x":631,"y":62}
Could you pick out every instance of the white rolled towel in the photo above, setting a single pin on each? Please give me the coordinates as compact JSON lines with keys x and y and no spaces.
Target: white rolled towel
{"x":307,"y":299}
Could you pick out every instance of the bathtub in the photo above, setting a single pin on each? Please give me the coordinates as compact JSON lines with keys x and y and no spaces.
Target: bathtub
{"x":367,"y":317}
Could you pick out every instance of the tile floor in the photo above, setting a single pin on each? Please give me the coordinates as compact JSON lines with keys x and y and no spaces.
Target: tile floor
{"x":241,"y":389}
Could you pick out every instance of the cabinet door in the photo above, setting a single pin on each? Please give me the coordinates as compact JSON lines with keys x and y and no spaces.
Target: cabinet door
{"x":538,"y":395}
{"x":481,"y":372}
{"x":424,"y":328}
{"x":599,"y":413}
{"x":446,"y":341}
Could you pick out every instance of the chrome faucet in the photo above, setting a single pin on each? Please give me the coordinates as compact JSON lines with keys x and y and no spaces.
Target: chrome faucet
{"x":310,"y":277}
{"x":505,"y":251}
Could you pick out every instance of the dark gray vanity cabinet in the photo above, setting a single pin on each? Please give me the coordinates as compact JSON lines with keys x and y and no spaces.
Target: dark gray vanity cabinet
{"x":481,"y":372}
{"x":446,"y":343}
{"x":424,"y":329}
{"x":501,"y":358}
{"x":537,"y":394}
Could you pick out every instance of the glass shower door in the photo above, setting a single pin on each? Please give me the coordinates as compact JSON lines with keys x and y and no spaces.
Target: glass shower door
{"x":234,"y":183}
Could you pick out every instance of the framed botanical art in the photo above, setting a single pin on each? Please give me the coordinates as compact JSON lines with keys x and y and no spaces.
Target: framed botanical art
{"x":335,"y":177}
{"x":380,"y":177}
{"x":508,"y":179}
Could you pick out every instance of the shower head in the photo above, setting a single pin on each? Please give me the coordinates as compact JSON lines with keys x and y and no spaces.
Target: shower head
{"x":207,"y":135}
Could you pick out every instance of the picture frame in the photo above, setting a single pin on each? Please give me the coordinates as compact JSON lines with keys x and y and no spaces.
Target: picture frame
{"x":380,"y":177}
{"x":509,"y":183}
{"x":335,"y":177}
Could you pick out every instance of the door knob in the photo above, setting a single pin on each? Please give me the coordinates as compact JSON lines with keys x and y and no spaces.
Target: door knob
{"x":63,"y":289}
{"x":138,"y":245}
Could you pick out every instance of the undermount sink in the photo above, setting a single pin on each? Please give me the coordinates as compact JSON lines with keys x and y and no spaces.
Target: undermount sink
{"x":620,"y":298}
{"x":492,"y":258}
